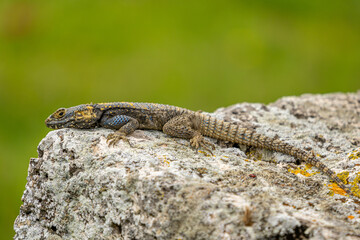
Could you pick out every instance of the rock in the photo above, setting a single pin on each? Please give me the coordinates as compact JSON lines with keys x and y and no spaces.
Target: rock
{"x":159,"y":188}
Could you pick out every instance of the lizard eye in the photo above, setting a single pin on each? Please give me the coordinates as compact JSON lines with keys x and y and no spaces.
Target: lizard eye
{"x":59,"y":113}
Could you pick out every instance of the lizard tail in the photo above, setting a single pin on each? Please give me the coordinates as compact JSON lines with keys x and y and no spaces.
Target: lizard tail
{"x":226,"y":131}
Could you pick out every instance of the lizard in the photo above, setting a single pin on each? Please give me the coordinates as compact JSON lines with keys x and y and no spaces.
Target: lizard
{"x":126,"y":117}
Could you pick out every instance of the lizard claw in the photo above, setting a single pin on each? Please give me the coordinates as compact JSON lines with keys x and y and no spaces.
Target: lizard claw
{"x":114,"y":138}
{"x":199,"y":141}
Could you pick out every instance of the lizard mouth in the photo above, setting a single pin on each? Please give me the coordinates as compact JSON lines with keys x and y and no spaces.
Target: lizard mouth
{"x":55,"y":124}
{"x":51,"y":125}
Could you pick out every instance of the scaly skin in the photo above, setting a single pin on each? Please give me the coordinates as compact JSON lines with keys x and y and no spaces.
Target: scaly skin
{"x":126,"y":117}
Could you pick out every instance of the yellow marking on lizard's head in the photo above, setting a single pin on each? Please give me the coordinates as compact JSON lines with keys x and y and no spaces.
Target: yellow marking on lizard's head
{"x":82,"y":116}
{"x":85,"y":114}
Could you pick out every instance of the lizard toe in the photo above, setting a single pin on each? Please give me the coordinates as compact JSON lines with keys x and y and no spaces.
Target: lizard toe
{"x":199,"y":141}
{"x":194,"y":143}
{"x":114,"y":138}
{"x":206,"y":149}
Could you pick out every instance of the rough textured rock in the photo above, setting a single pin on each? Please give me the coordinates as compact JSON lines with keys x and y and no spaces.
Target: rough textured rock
{"x":159,"y":188}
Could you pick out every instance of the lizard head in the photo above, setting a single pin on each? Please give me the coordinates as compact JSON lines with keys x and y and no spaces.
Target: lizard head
{"x":82,"y":116}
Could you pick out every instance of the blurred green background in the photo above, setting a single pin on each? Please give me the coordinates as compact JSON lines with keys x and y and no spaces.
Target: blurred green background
{"x":195,"y":54}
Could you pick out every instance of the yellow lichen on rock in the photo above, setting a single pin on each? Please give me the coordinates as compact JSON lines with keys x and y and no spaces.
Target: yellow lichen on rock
{"x":303,"y":171}
{"x":355,"y":154}
{"x":355,"y":186}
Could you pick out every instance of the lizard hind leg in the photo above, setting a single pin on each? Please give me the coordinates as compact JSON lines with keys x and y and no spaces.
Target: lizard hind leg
{"x":187,"y":126}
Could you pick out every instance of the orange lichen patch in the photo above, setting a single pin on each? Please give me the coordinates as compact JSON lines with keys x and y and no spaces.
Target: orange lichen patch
{"x":344,"y":176}
{"x":303,"y":171}
{"x":351,"y":217}
{"x":335,"y":189}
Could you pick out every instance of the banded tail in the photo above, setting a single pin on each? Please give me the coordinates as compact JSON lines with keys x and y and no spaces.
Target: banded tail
{"x":226,"y":131}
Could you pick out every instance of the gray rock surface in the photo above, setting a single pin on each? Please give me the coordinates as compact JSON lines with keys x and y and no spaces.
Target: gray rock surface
{"x":159,"y":188}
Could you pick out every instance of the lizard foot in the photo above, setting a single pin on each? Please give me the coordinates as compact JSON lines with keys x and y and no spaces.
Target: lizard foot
{"x":114,"y":138}
{"x":199,"y":141}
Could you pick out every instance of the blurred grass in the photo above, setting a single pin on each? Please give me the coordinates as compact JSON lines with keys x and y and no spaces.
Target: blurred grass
{"x":195,"y":54}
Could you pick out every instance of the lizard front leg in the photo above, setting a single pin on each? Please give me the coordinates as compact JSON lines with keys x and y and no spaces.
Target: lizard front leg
{"x":187,"y":126}
{"x":125,"y":125}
